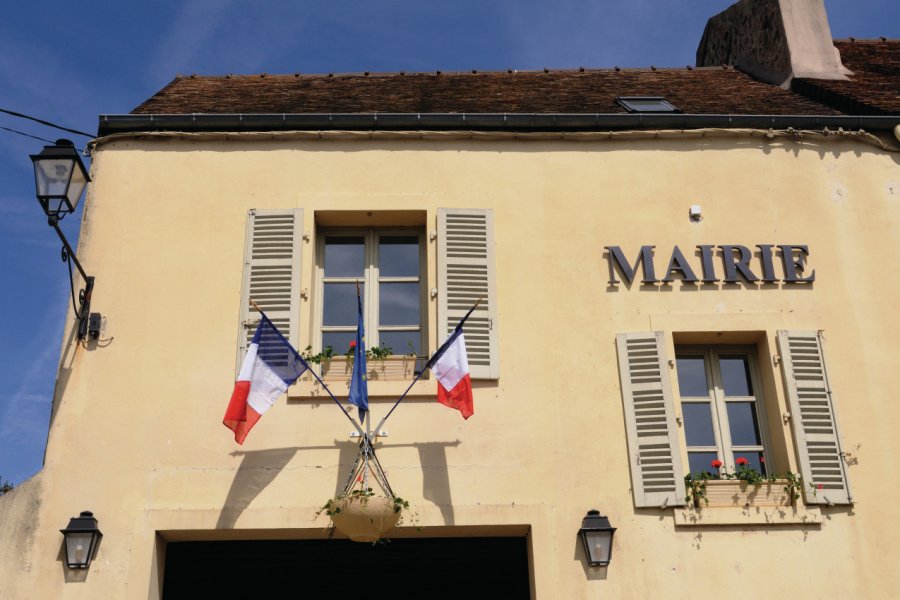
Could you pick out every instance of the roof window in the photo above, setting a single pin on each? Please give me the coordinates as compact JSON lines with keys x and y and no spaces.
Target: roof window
{"x":646,"y":104}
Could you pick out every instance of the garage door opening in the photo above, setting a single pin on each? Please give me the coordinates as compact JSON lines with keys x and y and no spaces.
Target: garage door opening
{"x":401,"y":568}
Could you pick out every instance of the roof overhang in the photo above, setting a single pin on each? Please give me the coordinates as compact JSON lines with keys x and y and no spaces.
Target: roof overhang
{"x":524,"y":122}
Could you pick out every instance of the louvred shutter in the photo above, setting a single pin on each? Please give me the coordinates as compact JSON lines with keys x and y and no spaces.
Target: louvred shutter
{"x":813,"y":419}
{"x":657,"y":477}
{"x":272,"y":252}
{"x":465,"y":274}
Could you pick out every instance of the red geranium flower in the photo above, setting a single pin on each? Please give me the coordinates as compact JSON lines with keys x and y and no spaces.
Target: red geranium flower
{"x":716,"y":464}
{"x":353,"y":344}
{"x":762,"y":459}
{"x":742,"y":461}
{"x":820,"y":486}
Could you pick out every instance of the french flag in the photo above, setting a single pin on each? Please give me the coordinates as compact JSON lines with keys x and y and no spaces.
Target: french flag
{"x":269,"y":367}
{"x":451,"y":369}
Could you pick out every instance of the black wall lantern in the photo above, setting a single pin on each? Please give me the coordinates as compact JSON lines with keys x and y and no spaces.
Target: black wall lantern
{"x":60,"y":179}
{"x":596,"y":535}
{"x":82,"y":537}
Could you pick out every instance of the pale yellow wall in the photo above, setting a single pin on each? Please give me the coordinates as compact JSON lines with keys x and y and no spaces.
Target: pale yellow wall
{"x":140,"y":414}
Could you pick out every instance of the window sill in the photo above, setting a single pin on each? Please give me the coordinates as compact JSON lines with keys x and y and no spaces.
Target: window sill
{"x":750,"y":515}
{"x":307,"y":388}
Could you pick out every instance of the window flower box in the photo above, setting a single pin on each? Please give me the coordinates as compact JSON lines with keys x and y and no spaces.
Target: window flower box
{"x":391,"y":368}
{"x":741,"y":494}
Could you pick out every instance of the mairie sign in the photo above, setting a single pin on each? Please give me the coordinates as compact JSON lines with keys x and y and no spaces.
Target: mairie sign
{"x":737,"y":262}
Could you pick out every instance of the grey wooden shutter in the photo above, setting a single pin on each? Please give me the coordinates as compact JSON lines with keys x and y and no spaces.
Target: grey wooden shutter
{"x":657,"y":478}
{"x":466,"y":273}
{"x":813,"y":418}
{"x":272,"y":251}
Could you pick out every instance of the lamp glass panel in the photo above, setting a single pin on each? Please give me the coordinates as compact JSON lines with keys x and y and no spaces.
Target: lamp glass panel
{"x":51,"y":176}
{"x":78,"y":546}
{"x":76,"y":187}
{"x":598,"y":543}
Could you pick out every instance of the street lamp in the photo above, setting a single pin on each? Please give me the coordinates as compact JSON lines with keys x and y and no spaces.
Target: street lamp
{"x":82,"y":537}
{"x":596,"y":535}
{"x":59,"y":180}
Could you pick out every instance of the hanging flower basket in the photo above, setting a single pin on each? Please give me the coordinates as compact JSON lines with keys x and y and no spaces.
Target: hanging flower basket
{"x":363,"y":516}
{"x":365,"y":519}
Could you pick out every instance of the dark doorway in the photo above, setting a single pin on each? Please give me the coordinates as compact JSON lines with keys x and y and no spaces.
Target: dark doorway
{"x":490,"y":567}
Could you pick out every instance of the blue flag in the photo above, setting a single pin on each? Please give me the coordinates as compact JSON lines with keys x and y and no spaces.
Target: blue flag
{"x":359,"y":387}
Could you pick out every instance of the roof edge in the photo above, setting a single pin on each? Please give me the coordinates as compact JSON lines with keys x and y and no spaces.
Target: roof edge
{"x":132,"y":123}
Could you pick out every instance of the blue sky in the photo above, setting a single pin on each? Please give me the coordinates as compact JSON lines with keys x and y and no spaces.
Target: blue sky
{"x":67,"y":62}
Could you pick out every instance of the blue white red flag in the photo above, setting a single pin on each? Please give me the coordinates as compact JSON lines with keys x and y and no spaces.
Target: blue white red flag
{"x":359,"y":386}
{"x":270,"y":366}
{"x":450,"y":366}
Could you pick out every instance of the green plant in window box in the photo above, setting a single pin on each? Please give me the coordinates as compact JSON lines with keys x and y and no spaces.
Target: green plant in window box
{"x":325,"y":355}
{"x":696,"y":483}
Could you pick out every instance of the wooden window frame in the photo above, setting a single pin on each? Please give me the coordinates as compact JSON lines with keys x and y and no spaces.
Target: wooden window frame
{"x":372,"y":279}
{"x":724,"y":447}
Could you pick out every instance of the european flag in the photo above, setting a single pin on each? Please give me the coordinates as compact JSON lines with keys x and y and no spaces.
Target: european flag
{"x":359,"y":387}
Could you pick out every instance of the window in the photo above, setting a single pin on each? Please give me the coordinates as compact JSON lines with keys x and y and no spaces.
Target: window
{"x":723,"y":412}
{"x":385,"y":252}
{"x":721,"y":407}
{"x":646,"y":104}
{"x":387,"y":264}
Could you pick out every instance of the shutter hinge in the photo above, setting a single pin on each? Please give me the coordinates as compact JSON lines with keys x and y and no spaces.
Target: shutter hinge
{"x":304,"y":293}
{"x":786,"y":417}
{"x":432,"y":236}
{"x":306,"y":236}
{"x":434,"y":293}
{"x":776,"y":360}
{"x":250,"y":323}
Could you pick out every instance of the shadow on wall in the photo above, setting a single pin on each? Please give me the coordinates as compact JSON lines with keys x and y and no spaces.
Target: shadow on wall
{"x":259,"y":468}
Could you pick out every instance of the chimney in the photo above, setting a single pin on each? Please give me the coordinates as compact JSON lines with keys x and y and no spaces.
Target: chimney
{"x":773,"y":40}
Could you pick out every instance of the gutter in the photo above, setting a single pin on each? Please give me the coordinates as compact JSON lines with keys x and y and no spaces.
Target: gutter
{"x":521,"y":122}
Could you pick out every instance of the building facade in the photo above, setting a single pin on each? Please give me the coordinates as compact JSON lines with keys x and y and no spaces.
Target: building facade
{"x":662,"y":290}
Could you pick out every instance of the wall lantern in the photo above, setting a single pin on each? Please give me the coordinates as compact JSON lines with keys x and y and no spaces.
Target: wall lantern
{"x":60,"y":179}
{"x":596,"y":535}
{"x":82,"y":537}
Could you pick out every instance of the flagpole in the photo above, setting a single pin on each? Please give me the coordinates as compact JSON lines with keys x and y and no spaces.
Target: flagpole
{"x":319,"y":379}
{"x":427,"y":366}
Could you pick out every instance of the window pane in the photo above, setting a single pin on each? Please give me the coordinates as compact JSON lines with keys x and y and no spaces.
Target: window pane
{"x":692,"y":376}
{"x":398,"y":256}
{"x":338,"y":340}
{"x":398,"y":304}
{"x":698,"y":425}
{"x":345,"y":256}
{"x":700,"y":462}
{"x":401,"y":342}
{"x":339,"y":303}
{"x":743,"y":424}
{"x":736,"y":375}
{"x":755,"y":460}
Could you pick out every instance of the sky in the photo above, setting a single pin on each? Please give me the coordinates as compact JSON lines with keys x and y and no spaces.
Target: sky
{"x":68,"y":62}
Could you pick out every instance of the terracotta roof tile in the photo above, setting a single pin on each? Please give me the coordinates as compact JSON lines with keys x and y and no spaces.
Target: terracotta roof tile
{"x":874,"y":86}
{"x":693,"y":91}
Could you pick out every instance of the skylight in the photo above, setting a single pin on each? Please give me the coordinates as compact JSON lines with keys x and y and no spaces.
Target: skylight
{"x":646,"y":104}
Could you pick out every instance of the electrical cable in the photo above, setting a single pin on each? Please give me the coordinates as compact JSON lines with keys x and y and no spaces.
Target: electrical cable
{"x":47,"y":123}
{"x":80,"y":150}
{"x":27,"y":135}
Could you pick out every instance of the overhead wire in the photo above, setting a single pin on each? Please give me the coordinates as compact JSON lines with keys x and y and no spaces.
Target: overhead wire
{"x":47,"y":123}
{"x":27,"y":134}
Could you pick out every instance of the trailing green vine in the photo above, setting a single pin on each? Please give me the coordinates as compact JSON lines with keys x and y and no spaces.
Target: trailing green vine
{"x":695,"y":483}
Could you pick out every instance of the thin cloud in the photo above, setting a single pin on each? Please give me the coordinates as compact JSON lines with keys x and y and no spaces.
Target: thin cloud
{"x":189,"y":37}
